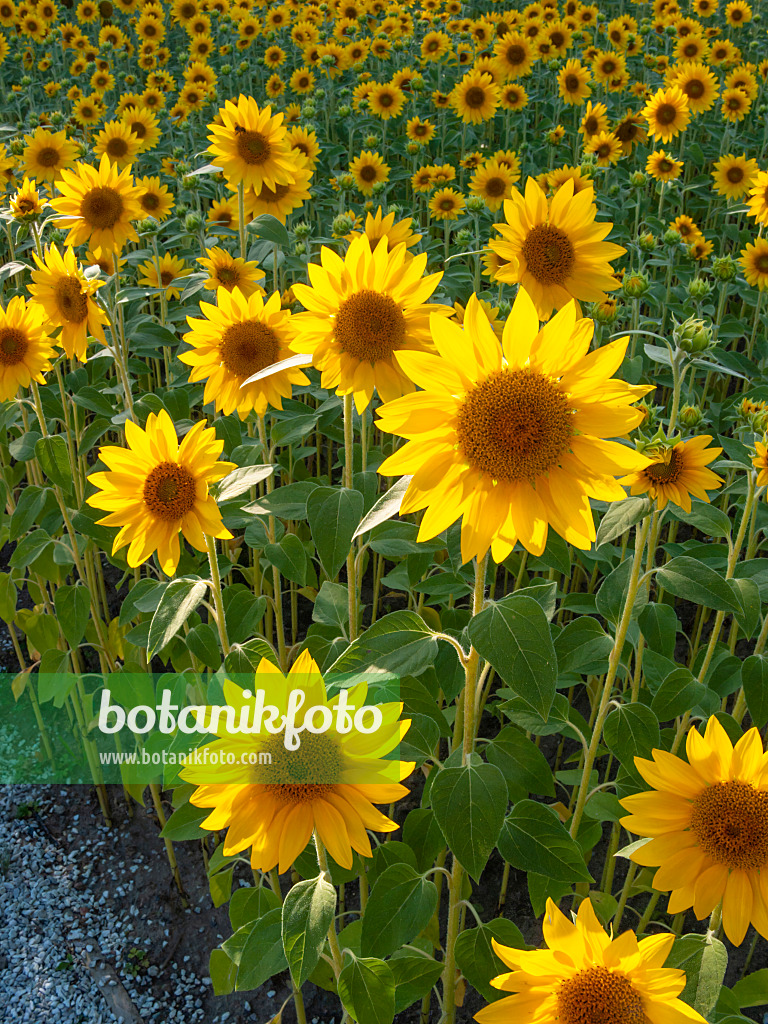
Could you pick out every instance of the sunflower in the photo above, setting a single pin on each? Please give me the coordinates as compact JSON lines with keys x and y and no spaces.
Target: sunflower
{"x":117,"y":142}
{"x":223,"y":216}
{"x":493,"y":183}
{"x":557,"y":178}
{"x":708,"y":819}
{"x":630,"y":132}
{"x":758,"y":197}
{"x":475,"y":98}
{"x":230,"y":272}
{"x":302,"y":81}
{"x":446,"y":204}
{"x":154,"y":199}
{"x":386,"y":101}
{"x":513,"y":96}
{"x":26,"y":350}
{"x":554,"y":248}
{"x":27,"y":203}
{"x":46,"y":154}
{"x":754,"y":262}
{"x":239,"y":337}
{"x":144,"y":125}
{"x":760,"y":462}
{"x":595,"y":119}
{"x":66,"y":296}
{"x":742,"y":78}
{"x":705,"y":8}
{"x":607,"y":66}
{"x":368,"y":168}
{"x":281,"y":200}
{"x":663,"y":167}
{"x":163,"y":274}
{"x":327,"y":785}
{"x":515,"y":53}
{"x":157,"y":488}
{"x":379,"y":228}
{"x":420,"y":132}
{"x":98,"y":205}
{"x":304,"y":140}
{"x":360,"y":312}
{"x":738,"y":13}
{"x":687,"y":228}
{"x":698,"y":84}
{"x":103,"y":259}
{"x":510,"y":436}
{"x":251,"y":146}
{"x":677,"y":472}
{"x":573,"y":82}
{"x":735,"y":105}
{"x":667,"y":113}
{"x":586,"y":975}
{"x":605,"y":147}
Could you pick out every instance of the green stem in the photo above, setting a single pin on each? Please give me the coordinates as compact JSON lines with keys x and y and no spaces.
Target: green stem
{"x":218,"y":600}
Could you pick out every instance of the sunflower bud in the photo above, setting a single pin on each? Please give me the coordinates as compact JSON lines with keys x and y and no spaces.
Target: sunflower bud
{"x":724,"y":268}
{"x":344,"y":111}
{"x":637,"y":179}
{"x":300,"y":248}
{"x":635,"y":285}
{"x":378,"y":187}
{"x":17,"y":147}
{"x":148,"y":226}
{"x":690,"y":416}
{"x":342,"y":225}
{"x":302,"y":229}
{"x":464,"y":237}
{"x":475,"y":204}
{"x":692,"y":335}
{"x":699,"y":289}
{"x":672,"y":237}
{"x":371,"y":141}
{"x":647,"y":242}
{"x":226,"y":69}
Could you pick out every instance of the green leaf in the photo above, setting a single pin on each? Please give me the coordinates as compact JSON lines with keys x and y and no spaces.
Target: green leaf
{"x":705,"y":517}
{"x":333,"y":514}
{"x":307,"y":915}
{"x":290,"y":558}
{"x":367,"y":990}
{"x":203,"y":642}
{"x":387,"y":506}
{"x":53,"y":456}
{"x":423,"y":836}
{"x":469,"y":804}
{"x":521,"y":762}
{"x":754,"y":677}
{"x":288,"y":502}
{"x":514,"y":636}
{"x":747,"y":593}
{"x":248,"y":904}
{"x":332,"y":606}
{"x":630,"y":731}
{"x":476,"y":958}
{"x":269,"y":228}
{"x":414,"y":974}
{"x":241,"y":480}
{"x":704,"y":962}
{"x":659,"y":625}
{"x":581,"y":644}
{"x":220,"y":885}
{"x":679,"y":692}
{"x":400,"y":905}
{"x":257,"y":950}
{"x":28,"y":508}
{"x":694,"y":581}
{"x":184,"y":823}
{"x":179,"y":600}
{"x":400,"y":642}
{"x":620,"y":517}
{"x":223,"y":973}
{"x":534,"y":839}
{"x":8,"y":598}
{"x":29,"y":549}
{"x":73,"y":610}
{"x":752,"y":990}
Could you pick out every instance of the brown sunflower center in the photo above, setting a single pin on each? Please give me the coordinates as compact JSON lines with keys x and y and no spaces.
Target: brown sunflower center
{"x":48,"y":156}
{"x":169,"y":491}
{"x":735,"y":175}
{"x":515,"y":425}
{"x":571,"y":83}
{"x":730,"y":821}
{"x":761,"y":263}
{"x":102,"y":207}
{"x":273,"y":195}
{"x":228,"y":275}
{"x":666,"y":113}
{"x":138,"y":128}
{"x":70,"y":300}
{"x":316,"y":764}
{"x":694,"y":89}
{"x":495,"y":187}
{"x":150,"y":201}
{"x":13,"y":346}
{"x":117,"y":148}
{"x":665,"y":166}
{"x":549,"y":254}
{"x":666,"y":472}
{"x":248,"y":347}
{"x":368,"y":173}
{"x":475,"y":97}
{"x":26,"y":206}
{"x":591,"y":125}
{"x":627,"y":131}
{"x":597,"y":995}
{"x":386,"y":99}
{"x":369,"y":326}
{"x":253,"y":147}
{"x":289,"y":793}
{"x":608,"y":66}
{"x":734,"y":102}
{"x":166,"y":276}
{"x":515,"y":54}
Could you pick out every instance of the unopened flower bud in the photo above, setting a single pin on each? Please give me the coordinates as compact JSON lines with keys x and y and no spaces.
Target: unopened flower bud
{"x":635,"y":285}
{"x":193,"y":222}
{"x":637,"y":179}
{"x":724,"y":268}
{"x":671,"y":237}
{"x":692,"y":335}
{"x":342,"y":225}
{"x":699,"y":289}
{"x":475,"y":204}
{"x":302,"y":229}
{"x":690,"y":416}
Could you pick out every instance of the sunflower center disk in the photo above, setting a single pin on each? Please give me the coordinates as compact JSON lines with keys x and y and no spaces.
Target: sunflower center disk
{"x":102,"y":207}
{"x":169,"y":491}
{"x":598,"y":996}
{"x":495,"y":187}
{"x":253,"y":147}
{"x":666,"y":472}
{"x":666,"y":113}
{"x":248,"y":347}
{"x":314,"y":767}
{"x":549,"y":254}
{"x":369,"y":326}
{"x":117,"y":148}
{"x":48,"y":157}
{"x":13,"y":345}
{"x":695,"y":90}
{"x":228,"y":275}
{"x":735,"y":175}
{"x":71,"y":302}
{"x":730,"y":821}
{"x":571,"y":83}
{"x":515,"y":425}
{"x":475,"y":97}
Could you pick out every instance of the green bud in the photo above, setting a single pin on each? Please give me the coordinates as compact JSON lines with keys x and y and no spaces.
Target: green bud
{"x":342,"y":225}
{"x":635,"y":285}
{"x":464,"y":237}
{"x":690,"y":416}
{"x":699,"y":289}
{"x":637,"y":179}
{"x":300,"y":248}
{"x":724,"y":268}
{"x":475,"y":204}
{"x":226,"y":69}
{"x":692,"y":335}
{"x":378,"y":187}
{"x":672,"y":237}
{"x":344,"y":110}
{"x":148,"y":226}
{"x":190,"y":182}
{"x":193,"y":222}
{"x":302,"y":229}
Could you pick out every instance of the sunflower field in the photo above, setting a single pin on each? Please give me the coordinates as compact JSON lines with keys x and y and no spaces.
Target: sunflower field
{"x":413,"y":355}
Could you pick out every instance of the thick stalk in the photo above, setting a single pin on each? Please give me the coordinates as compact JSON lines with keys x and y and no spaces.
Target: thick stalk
{"x":218,"y":600}
{"x":333,"y":939}
{"x":298,"y":999}
{"x":348,"y":476}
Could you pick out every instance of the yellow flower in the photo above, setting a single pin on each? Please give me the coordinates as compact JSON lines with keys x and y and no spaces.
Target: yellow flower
{"x":170,"y":269}
{"x":516,"y":54}
{"x":698,"y":85}
{"x":144,"y":125}
{"x":585,"y":975}
{"x":251,"y":146}
{"x":493,"y":182}
{"x":733,"y":175}
{"x":340,"y":776}
{"x":675,"y":473}
{"x":155,"y":199}
{"x":554,"y":247}
{"x":98,"y":205}
{"x":758,"y":197}
{"x":475,"y":98}
{"x":157,"y":488}
{"x":27,"y":203}
{"x":573,"y":82}
{"x":25,"y":348}
{"x":238,"y":337}
{"x":446,"y":204}
{"x":761,"y":462}
{"x":708,"y":819}
{"x":368,"y":168}
{"x":663,"y":166}
{"x":511,"y":436}
{"x":379,"y":228}
{"x":66,"y":295}
{"x":283,"y":199}
{"x":667,"y":113}
{"x":736,"y":105}
{"x":47,"y":153}
{"x":606,"y":147}
{"x":754,"y":262}
{"x":738,"y":13}
{"x":231,"y":272}
{"x":117,"y":142}
{"x":386,"y":101}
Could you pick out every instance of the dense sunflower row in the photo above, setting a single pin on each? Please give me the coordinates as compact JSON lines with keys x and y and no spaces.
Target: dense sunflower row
{"x":265,"y":263}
